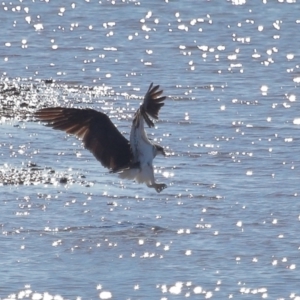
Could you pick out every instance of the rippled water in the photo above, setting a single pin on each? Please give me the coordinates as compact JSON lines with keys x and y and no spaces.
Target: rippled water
{"x":227,"y":226}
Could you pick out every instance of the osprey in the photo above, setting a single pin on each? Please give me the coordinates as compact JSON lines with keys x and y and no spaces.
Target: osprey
{"x":130,"y":159}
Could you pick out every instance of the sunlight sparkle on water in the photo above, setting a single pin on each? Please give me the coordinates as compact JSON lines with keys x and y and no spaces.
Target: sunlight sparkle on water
{"x":176,"y":289}
{"x":232,"y":57}
{"x":35,"y":295}
{"x":260,"y":28}
{"x":167,"y":174}
{"x":38,"y":26}
{"x":188,"y":252}
{"x":290,"y":56}
{"x":197,"y":290}
{"x":105,"y":295}
{"x":292,"y":98}
{"x":239,"y":224}
{"x":264,"y":88}
{"x":296,"y":121}
{"x":28,"y":19}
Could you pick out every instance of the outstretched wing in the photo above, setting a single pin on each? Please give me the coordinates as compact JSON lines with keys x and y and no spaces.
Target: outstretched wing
{"x":98,"y":133}
{"x":152,"y":104}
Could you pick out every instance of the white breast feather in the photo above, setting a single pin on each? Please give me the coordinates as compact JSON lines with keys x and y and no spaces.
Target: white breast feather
{"x":143,"y":153}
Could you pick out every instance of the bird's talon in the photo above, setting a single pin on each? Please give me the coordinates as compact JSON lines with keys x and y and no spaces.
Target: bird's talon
{"x":160,"y":187}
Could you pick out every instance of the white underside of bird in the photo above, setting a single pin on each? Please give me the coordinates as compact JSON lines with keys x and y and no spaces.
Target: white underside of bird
{"x":144,"y":152}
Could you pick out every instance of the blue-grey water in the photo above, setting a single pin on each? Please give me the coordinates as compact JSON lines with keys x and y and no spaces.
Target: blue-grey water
{"x":227,"y":226}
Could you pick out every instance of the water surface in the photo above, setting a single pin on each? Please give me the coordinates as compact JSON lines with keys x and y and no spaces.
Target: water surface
{"x":227,"y":225}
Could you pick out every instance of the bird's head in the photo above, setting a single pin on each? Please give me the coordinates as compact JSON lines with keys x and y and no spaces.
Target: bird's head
{"x":159,"y":150}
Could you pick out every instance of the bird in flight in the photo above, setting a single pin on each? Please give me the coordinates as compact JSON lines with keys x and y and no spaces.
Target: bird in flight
{"x":129,"y":159}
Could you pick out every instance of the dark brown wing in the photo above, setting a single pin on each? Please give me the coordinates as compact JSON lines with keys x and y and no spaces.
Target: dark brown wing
{"x":152,"y":104}
{"x":98,"y":133}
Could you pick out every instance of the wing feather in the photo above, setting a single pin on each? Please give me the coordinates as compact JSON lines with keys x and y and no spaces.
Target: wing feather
{"x":152,"y":104}
{"x":98,"y":133}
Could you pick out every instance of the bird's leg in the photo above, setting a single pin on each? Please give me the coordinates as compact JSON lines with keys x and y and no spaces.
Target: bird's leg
{"x":152,"y":184}
{"x":157,"y":186}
